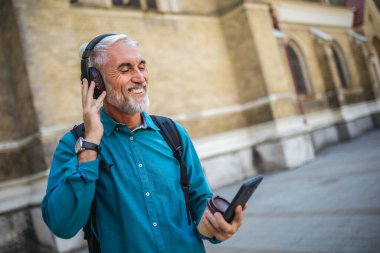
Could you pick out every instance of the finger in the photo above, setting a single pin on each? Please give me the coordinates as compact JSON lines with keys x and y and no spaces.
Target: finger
{"x":211,"y":218}
{"x":223,"y":225}
{"x":84,"y":90}
{"x":238,"y":218}
{"x":209,"y":226}
{"x":90,"y":93}
{"x":100,"y":99}
{"x":216,"y":233}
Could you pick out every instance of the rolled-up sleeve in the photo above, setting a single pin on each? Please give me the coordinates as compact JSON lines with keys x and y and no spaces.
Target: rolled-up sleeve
{"x":70,"y":190}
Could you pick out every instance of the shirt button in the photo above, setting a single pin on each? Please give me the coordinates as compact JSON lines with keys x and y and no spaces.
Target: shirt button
{"x":117,"y":129}
{"x":131,"y":138}
{"x":147,"y":194}
{"x":140,"y":165}
{"x":154,"y":224}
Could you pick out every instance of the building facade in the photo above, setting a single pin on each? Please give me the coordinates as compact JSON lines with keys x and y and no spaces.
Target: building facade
{"x":259,"y":85}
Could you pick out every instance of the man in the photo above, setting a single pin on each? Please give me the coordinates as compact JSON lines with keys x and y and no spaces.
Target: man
{"x":140,"y":206}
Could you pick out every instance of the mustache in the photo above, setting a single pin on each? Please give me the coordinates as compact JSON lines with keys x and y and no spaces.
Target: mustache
{"x":137,"y":85}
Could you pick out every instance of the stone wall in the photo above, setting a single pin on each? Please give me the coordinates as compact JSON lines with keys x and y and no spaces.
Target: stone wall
{"x":194,"y":42}
{"x":18,"y":234}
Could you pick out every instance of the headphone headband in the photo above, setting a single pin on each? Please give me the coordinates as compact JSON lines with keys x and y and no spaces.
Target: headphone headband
{"x":90,"y":46}
{"x":86,"y":54}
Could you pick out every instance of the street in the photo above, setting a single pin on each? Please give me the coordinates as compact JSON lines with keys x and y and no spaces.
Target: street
{"x":329,"y":205}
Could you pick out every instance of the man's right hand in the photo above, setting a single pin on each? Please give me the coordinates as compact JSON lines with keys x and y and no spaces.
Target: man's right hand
{"x":91,"y":118}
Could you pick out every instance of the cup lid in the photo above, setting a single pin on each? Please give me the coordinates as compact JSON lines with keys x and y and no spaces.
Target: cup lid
{"x":218,"y":204}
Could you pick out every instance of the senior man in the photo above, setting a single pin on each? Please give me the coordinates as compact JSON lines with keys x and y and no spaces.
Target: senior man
{"x":140,"y":206}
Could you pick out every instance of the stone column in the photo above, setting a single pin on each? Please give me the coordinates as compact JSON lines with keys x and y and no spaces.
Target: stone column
{"x":373,"y":69}
{"x":261,"y":76}
{"x":34,"y":76}
{"x":257,"y":60}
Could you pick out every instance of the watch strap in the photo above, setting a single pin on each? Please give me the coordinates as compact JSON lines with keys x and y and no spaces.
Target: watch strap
{"x":90,"y":145}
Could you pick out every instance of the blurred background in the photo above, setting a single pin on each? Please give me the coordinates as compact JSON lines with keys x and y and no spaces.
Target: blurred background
{"x":261,"y":86}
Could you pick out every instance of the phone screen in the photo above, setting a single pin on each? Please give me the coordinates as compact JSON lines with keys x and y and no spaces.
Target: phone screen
{"x":242,"y":196}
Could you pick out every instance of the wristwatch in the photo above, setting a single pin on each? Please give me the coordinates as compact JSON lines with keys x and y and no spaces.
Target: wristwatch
{"x":83,"y":144}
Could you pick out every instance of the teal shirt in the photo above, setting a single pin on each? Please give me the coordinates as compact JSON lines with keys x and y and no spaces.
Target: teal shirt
{"x":140,"y":205}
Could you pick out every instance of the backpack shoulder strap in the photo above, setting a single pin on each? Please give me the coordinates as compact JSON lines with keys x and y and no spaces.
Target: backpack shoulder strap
{"x":168,"y":130}
{"x":78,"y":131}
{"x":92,"y":242}
{"x":171,"y":135}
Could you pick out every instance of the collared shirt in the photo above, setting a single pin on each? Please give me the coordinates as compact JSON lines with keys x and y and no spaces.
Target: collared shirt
{"x":140,"y":206}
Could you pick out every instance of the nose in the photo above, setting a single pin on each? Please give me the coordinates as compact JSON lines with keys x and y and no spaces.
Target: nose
{"x":138,"y":77}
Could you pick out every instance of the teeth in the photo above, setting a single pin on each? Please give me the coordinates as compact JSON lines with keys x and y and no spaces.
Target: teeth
{"x":137,"y":91}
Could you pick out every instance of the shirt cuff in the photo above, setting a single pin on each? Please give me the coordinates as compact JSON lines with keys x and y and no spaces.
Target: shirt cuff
{"x":86,"y":171}
{"x":213,"y":240}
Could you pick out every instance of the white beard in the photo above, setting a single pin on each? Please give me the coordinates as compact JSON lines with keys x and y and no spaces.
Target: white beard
{"x":126,"y":103}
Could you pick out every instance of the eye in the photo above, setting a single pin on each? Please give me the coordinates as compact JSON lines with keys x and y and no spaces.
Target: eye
{"x":142,"y":67}
{"x":124,"y":71}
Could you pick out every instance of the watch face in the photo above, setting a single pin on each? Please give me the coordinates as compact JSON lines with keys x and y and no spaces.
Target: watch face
{"x":82,"y":144}
{"x":78,"y":145}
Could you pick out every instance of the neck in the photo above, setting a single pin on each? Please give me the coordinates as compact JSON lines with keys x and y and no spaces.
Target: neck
{"x":130,"y":120}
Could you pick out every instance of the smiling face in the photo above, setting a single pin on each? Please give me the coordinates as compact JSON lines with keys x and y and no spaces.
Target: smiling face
{"x":126,"y":78}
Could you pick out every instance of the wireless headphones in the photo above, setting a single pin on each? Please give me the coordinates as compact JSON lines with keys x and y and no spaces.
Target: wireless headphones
{"x":91,"y":73}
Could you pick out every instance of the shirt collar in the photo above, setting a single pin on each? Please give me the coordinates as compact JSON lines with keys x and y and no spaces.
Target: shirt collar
{"x":149,"y":122}
{"x":110,"y":124}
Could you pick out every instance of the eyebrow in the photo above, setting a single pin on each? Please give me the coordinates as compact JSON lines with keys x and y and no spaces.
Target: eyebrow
{"x":129,"y":65}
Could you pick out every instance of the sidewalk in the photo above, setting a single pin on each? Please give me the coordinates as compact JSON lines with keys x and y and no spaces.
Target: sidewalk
{"x":329,"y":205}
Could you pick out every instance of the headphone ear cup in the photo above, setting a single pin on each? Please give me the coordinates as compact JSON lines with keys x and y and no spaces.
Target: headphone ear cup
{"x":94,"y":75}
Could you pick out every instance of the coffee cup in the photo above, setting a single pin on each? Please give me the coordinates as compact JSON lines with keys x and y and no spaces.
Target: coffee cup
{"x":217,"y":204}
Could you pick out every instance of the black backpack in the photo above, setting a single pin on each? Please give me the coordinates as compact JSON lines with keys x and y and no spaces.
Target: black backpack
{"x":170,"y":133}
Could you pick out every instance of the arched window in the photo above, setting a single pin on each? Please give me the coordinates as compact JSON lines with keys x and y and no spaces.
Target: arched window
{"x":298,"y":68}
{"x":361,"y":63}
{"x":340,"y":64}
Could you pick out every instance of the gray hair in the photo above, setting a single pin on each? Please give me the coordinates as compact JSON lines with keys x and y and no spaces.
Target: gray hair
{"x":98,"y":55}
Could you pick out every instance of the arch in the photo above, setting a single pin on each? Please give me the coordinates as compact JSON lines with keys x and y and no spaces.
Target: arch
{"x":361,"y":62}
{"x":298,"y":68}
{"x":341,"y":65}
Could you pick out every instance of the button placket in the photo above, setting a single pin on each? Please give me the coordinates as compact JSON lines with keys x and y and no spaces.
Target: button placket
{"x":142,"y":171}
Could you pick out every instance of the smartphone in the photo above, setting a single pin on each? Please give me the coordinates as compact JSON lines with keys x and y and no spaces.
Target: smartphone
{"x":241,"y":198}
